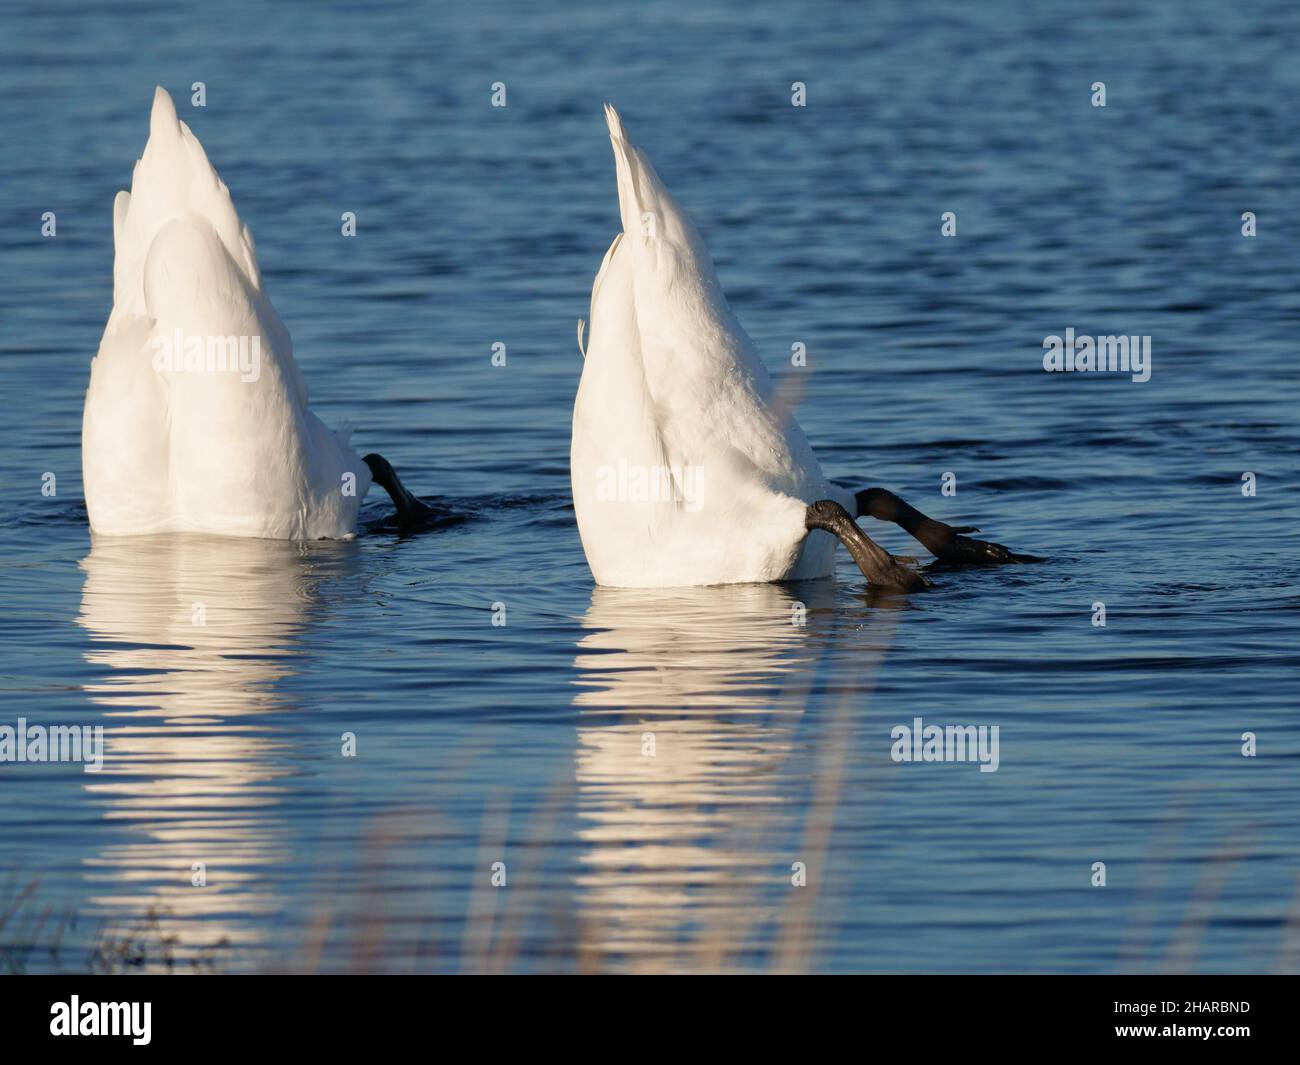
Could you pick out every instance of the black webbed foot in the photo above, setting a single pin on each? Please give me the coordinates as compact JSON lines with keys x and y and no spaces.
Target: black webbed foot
{"x":948,"y":543}
{"x":951,"y":548}
{"x":877,"y":565}
{"x":412,"y":514}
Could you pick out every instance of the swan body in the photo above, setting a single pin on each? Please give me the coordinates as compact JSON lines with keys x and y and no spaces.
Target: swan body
{"x":174,"y":439}
{"x":685,"y":468}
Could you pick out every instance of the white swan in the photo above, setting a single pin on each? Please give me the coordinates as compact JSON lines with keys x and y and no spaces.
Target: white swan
{"x":685,"y":469}
{"x":196,"y":417}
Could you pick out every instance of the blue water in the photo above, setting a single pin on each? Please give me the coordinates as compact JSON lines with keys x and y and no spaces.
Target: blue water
{"x":523,"y":743}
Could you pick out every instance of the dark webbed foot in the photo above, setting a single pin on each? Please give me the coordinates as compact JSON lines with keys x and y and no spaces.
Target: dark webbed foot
{"x":951,"y":548}
{"x":412,"y":513}
{"x":877,"y":564}
{"x":946,"y":542}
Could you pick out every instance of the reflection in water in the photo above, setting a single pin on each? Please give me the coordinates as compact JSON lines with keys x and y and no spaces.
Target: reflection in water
{"x":674,"y":865}
{"x":192,"y":635}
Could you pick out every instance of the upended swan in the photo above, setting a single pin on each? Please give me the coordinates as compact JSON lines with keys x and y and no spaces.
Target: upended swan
{"x":196,"y":417}
{"x":685,"y":469}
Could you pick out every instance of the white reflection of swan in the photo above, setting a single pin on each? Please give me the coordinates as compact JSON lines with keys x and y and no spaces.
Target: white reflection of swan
{"x":191,"y":635}
{"x":673,"y":840}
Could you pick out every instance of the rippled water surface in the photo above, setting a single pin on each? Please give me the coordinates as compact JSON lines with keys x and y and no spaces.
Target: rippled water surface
{"x":650,"y":766}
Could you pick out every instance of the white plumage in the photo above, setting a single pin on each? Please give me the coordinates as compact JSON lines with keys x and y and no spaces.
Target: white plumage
{"x":671,"y":382}
{"x":177,"y":449}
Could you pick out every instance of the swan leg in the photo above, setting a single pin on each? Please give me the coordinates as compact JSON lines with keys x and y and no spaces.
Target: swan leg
{"x":412,"y":513}
{"x":877,"y":564}
{"x":945,"y":542}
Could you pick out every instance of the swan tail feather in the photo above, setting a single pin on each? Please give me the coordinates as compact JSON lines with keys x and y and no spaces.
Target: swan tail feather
{"x":172,"y":178}
{"x":639,"y":188}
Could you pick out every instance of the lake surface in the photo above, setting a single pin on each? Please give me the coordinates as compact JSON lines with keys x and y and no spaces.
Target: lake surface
{"x":526,"y":743}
